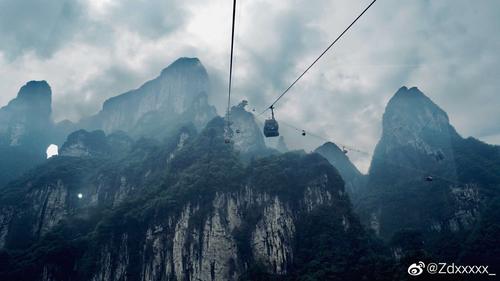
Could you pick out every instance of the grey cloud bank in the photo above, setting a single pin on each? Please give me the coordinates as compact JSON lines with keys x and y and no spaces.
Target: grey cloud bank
{"x":91,"y":50}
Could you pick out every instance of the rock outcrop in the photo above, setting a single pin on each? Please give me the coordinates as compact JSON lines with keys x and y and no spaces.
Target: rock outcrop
{"x":25,"y":130}
{"x":179,"y":95}
{"x":416,"y":139}
{"x":246,"y":134}
{"x":96,"y":144}
{"x":162,"y":225}
{"x":420,"y":175}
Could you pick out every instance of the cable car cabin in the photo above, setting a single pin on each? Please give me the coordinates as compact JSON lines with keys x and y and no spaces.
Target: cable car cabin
{"x":271,"y":128}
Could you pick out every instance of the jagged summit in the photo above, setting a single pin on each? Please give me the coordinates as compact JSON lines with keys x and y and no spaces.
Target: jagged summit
{"x":29,"y":111}
{"x":416,"y":133}
{"x":35,"y":97}
{"x":35,"y":89}
{"x":412,"y":109}
{"x":185,"y":64}
{"x":178,"y":95}
{"x":25,"y":129}
{"x":419,"y":142}
{"x":409,"y":92}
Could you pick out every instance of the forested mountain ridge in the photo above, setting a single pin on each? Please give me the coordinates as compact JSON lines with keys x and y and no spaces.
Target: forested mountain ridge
{"x":191,"y":210}
{"x":148,"y":189}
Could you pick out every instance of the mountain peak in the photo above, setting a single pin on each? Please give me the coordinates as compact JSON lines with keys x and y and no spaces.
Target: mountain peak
{"x":414,"y":127}
{"x":405,"y":92}
{"x":178,"y":95}
{"x":32,"y":104}
{"x":34,"y":94}
{"x":353,"y":179}
{"x":330,"y":145}
{"x":248,"y":137}
{"x":183,"y":64}
{"x":26,"y":129}
{"x":35,"y":87}
{"x":413,"y":110}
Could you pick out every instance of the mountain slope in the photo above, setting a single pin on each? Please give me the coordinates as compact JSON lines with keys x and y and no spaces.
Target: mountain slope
{"x":418,"y":142}
{"x":354,"y":181}
{"x":190,"y":211}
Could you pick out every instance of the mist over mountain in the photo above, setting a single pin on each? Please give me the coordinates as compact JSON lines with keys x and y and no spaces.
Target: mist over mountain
{"x":148,"y":189}
{"x":246,"y":133}
{"x":25,"y":130}
{"x":186,"y":208}
{"x":417,"y":136}
{"x":178,"y":95}
{"x":425,"y":179}
{"x":82,"y":143}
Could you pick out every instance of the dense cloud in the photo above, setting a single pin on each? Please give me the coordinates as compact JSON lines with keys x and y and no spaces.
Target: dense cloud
{"x":91,"y":50}
{"x":41,"y":26}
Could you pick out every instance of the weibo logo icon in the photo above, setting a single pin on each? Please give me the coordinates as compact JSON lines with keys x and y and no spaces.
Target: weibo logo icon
{"x":416,"y":269}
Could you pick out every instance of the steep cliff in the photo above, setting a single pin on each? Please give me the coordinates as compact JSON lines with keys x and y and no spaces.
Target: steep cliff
{"x":178,"y":95}
{"x":246,"y":134}
{"x":191,"y":210}
{"x":25,"y":130}
{"x":424,"y":175}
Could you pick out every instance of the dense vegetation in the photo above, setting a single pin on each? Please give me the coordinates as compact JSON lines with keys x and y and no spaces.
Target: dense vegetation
{"x":330,"y":244}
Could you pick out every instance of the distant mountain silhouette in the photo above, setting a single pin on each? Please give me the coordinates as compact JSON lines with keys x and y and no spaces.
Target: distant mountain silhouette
{"x":178,"y":96}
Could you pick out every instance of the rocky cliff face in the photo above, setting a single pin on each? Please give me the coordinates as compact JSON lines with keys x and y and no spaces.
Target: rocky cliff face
{"x":189,"y":211}
{"x":95,"y":144}
{"x":416,"y":139}
{"x":178,"y":95}
{"x":26,"y":116}
{"x":183,"y":247}
{"x":246,"y":134}
{"x":25,"y":130}
{"x":79,"y":179}
{"x":419,"y":143}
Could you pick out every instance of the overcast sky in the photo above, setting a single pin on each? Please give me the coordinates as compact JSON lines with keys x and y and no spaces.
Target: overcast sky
{"x":90,"y":50}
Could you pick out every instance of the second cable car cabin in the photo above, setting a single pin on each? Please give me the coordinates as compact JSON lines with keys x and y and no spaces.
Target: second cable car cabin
{"x":271,"y":127}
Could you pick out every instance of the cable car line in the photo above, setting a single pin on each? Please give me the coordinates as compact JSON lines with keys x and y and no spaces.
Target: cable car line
{"x":426,"y":175}
{"x":228,"y":121}
{"x":319,"y":57}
